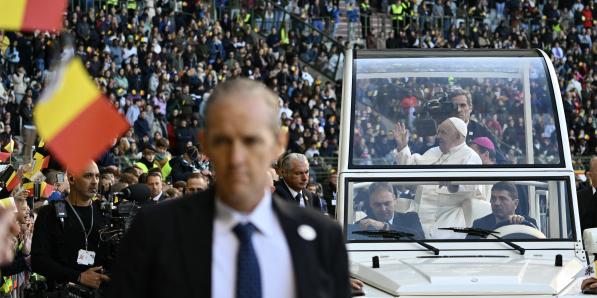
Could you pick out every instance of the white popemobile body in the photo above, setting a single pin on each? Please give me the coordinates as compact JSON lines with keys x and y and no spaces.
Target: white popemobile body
{"x":542,"y":256}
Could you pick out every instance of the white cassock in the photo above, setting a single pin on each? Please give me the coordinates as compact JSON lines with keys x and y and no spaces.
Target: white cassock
{"x":437,"y":207}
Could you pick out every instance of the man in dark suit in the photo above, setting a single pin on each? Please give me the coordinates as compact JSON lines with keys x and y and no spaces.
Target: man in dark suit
{"x":463,"y":102}
{"x":504,"y":201}
{"x":294,"y":169}
{"x":382,"y":215}
{"x":154,"y":182}
{"x":234,"y":240}
{"x":587,"y":199}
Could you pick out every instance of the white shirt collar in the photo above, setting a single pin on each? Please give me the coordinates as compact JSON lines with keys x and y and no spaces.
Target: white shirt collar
{"x":262,"y":216}
{"x":156,"y":198}
{"x":594,"y":190}
{"x":292,"y":191}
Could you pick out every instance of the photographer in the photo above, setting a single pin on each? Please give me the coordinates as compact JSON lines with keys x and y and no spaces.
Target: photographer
{"x":66,"y":245}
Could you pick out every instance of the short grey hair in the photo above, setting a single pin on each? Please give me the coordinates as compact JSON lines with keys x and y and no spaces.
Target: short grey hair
{"x":380,"y":186}
{"x":249,"y":89}
{"x":457,"y":91}
{"x":286,"y":162}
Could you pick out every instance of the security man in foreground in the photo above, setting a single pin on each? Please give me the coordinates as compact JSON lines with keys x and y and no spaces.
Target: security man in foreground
{"x":234,"y":239}
{"x":66,"y":244}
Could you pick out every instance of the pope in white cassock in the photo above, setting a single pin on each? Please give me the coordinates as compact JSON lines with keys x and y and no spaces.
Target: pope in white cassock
{"x":441,"y":206}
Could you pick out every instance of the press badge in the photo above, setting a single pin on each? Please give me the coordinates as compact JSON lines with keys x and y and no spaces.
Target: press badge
{"x":86,"y":257}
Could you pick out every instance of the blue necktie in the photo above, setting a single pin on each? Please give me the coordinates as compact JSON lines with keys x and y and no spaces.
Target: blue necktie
{"x":248,"y":277}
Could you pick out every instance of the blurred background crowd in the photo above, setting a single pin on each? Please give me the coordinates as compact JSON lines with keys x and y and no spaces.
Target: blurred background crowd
{"x":158,"y":60}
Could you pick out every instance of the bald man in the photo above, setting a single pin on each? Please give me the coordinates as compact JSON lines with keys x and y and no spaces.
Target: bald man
{"x":440,"y":206}
{"x":452,"y":149}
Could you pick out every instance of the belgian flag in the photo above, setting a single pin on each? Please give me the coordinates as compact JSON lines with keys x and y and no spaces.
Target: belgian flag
{"x":31,"y":15}
{"x":76,"y":121}
{"x":10,"y":179}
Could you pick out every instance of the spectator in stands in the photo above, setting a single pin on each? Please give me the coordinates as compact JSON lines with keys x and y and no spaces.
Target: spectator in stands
{"x":14,"y":274}
{"x":180,"y":167}
{"x":147,"y":161}
{"x":8,"y":230}
{"x":196,"y":182}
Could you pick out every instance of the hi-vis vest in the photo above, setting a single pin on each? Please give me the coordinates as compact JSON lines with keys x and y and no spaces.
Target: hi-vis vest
{"x":365,"y":6}
{"x":7,"y":285}
{"x":397,"y":12}
{"x":243,"y":21}
{"x":406,"y":6}
{"x":132,"y":4}
{"x":284,"y":36}
{"x":144,"y":167}
{"x":166,"y":170}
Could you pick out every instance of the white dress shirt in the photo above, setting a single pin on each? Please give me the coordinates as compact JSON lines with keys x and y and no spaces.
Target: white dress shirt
{"x":157,"y":198}
{"x":269,"y":241}
{"x":302,"y":203}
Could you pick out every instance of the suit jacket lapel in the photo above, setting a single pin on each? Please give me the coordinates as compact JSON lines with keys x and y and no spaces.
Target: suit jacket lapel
{"x":196,"y":231}
{"x":298,"y":248}
{"x":286,"y":190}
{"x":308,"y":199}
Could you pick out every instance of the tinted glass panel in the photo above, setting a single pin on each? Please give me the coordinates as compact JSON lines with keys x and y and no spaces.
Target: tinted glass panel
{"x":515,"y":209}
{"x":453,"y":111}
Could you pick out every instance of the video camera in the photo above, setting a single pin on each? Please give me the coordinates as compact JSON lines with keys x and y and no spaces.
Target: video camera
{"x":432,"y":112}
{"x":121,"y":208}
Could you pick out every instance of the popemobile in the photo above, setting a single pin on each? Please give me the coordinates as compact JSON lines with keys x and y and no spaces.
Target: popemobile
{"x":455,"y":176}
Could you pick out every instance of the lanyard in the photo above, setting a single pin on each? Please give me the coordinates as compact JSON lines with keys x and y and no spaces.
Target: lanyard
{"x":81,"y":222}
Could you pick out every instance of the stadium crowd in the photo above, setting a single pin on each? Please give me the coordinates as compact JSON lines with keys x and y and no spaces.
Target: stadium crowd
{"x":159,"y":64}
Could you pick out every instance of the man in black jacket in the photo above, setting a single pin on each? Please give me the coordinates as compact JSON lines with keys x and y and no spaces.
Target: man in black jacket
{"x":70,"y":250}
{"x":504,"y":201}
{"x":180,"y":167}
{"x":292,"y":186}
{"x":587,"y":199}
{"x":234,"y":240}
{"x":463,"y":101}
{"x":382,"y":214}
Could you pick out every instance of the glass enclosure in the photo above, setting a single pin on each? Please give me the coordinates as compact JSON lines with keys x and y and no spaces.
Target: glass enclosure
{"x":463,"y":111}
{"x":409,"y":209}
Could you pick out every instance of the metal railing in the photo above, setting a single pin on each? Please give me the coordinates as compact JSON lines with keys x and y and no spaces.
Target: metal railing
{"x":85,"y":5}
{"x":418,"y":23}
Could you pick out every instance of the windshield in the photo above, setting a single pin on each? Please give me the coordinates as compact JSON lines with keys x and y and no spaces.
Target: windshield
{"x":513,"y":208}
{"x":473,"y":111}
